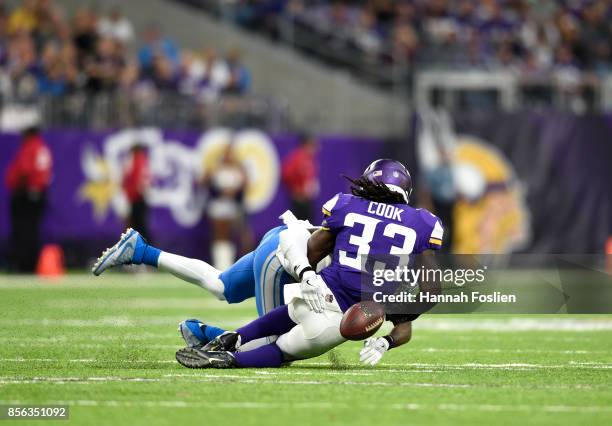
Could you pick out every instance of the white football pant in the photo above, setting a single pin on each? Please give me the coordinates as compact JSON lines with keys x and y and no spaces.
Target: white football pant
{"x":315,"y":333}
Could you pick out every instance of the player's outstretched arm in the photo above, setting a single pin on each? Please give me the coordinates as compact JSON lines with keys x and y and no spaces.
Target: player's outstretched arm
{"x":401,"y":334}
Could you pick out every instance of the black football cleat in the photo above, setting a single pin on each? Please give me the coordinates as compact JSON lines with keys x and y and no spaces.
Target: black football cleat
{"x":228,"y":341}
{"x":196,"y":358}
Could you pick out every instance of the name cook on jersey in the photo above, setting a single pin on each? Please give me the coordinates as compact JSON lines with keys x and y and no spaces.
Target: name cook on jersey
{"x":385,"y":210}
{"x":473,"y":297}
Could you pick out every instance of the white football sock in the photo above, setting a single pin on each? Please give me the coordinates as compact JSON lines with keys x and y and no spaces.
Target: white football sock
{"x":254,"y":344}
{"x":194,"y":271}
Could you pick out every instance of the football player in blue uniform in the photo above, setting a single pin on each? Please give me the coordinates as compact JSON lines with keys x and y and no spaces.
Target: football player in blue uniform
{"x":258,"y":274}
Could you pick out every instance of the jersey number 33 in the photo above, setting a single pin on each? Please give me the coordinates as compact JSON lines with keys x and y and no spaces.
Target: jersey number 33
{"x":371,"y":229}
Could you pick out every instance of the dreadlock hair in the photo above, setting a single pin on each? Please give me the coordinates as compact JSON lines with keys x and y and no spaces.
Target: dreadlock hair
{"x":374,"y":191}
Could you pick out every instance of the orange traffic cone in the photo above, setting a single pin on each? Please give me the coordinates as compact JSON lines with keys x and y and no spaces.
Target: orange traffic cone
{"x":50,"y":261}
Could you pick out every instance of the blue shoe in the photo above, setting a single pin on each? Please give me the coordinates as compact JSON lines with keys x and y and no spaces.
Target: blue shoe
{"x":192,"y":331}
{"x":129,"y":250}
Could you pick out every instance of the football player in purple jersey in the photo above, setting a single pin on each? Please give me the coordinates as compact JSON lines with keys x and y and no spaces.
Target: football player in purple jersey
{"x":374,"y":220}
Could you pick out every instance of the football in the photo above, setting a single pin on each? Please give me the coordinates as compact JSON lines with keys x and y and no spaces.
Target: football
{"x":362,"y":320}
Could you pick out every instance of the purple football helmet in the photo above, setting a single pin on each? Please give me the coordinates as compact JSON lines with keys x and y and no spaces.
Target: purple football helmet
{"x":393,"y":174}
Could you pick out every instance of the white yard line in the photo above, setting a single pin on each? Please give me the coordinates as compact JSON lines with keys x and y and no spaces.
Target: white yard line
{"x":430,"y":323}
{"x":433,"y":366}
{"x":166,"y":335}
{"x":27,"y":342}
{"x":140,"y":303}
{"x":88,"y":360}
{"x":80,"y":337}
{"x":86,"y":281}
{"x":593,"y":409}
{"x":513,"y":324}
{"x":475,"y":366}
{"x":513,"y":351}
{"x":228,"y":379}
{"x":97,"y":345}
{"x":233,"y":379}
{"x":281,"y":377}
{"x":116,"y":321}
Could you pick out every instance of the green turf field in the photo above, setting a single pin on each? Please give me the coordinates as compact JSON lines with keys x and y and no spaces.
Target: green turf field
{"x":105,"y":346}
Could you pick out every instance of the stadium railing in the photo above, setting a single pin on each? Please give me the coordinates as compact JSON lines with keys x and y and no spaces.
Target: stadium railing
{"x":166,"y":110}
{"x":509,"y":91}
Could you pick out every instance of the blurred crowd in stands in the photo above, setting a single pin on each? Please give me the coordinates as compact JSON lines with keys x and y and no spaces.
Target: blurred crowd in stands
{"x":44,"y":51}
{"x":531,"y":35}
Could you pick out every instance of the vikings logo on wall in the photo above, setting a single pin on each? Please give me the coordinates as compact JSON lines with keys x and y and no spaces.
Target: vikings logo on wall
{"x":176,"y":171}
{"x":493,"y":217}
{"x":489,"y":212}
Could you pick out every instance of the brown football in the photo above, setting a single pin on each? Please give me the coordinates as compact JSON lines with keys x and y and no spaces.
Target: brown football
{"x":362,"y":320}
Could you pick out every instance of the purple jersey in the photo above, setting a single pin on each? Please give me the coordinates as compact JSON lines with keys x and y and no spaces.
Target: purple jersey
{"x":366,"y":228}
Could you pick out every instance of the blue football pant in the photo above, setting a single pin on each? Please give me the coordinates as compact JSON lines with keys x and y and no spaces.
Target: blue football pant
{"x":257,"y":274}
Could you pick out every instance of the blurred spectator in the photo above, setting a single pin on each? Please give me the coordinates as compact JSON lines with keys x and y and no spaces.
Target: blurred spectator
{"x":28,"y":178}
{"x":239,"y":75}
{"x":192,"y":73}
{"x":486,"y":34}
{"x":566,"y":69}
{"x":24,"y":18}
{"x":405,"y":43}
{"x":52,"y":78}
{"x":260,"y":14}
{"x":51,"y":25}
{"x":136,"y":180}
{"x":300,"y":175}
{"x":45,"y":54}
{"x":217,"y":73}
{"x":435,"y":150}
{"x":85,"y":35}
{"x":164,"y":76}
{"x":116,"y":27}
{"x":156,"y":44}
{"x":22,"y":67}
{"x":104,"y":67}
{"x":227,"y":184}
{"x":367,"y":35}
